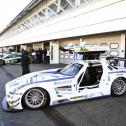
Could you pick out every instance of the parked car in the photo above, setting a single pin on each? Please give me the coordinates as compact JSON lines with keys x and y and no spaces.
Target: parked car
{"x":4,"y":54}
{"x":1,"y":54}
{"x":10,"y":58}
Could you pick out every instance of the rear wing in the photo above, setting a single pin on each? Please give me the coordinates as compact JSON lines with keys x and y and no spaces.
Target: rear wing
{"x":116,"y":58}
{"x":114,"y":61}
{"x":87,"y":53}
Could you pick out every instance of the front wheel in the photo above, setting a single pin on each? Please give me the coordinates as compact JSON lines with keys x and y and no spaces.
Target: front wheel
{"x":118,"y":87}
{"x":36,"y":98}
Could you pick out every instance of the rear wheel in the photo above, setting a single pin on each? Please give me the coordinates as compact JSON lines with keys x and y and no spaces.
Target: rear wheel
{"x":36,"y":98}
{"x":118,"y":87}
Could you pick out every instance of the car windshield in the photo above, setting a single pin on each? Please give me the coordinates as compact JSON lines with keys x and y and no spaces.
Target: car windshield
{"x":11,"y":56}
{"x":8,"y":56}
{"x":71,"y":70}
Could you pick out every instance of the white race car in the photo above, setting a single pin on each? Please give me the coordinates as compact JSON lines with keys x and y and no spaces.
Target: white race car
{"x":78,"y":81}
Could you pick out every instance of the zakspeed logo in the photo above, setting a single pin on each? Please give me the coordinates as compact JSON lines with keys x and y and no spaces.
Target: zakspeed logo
{"x":63,"y":82}
{"x":64,"y":88}
{"x":77,"y":98}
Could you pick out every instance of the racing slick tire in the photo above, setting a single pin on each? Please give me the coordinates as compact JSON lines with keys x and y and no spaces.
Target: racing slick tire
{"x":118,"y":87}
{"x":36,"y":98}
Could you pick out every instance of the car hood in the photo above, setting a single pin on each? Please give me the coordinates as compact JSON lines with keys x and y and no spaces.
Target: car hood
{"x":38,"y":77}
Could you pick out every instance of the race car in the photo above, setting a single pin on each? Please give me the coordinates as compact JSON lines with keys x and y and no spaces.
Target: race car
{"x":85,"y":79}
{"x":10,"y":58}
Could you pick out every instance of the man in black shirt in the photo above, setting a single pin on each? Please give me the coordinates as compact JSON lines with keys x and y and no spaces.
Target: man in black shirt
{"x":45,"y":53}
{"x":25,"y":61}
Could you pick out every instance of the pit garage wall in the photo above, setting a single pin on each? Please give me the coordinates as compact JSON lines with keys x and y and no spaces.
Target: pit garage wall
{"x":54,"y":52}
{"x":37,"y":45}
{"x":114,"y":41}
{"x":102,"y":17}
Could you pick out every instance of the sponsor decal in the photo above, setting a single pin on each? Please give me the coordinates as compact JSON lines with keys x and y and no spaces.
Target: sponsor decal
{"x":55,"y":76}
{"x":108,"y":78}
{"x":64,"y":88}
{"x":77,"y":98}
{"x":93,"y":95}
{"x":62,"y":82}
{"x":36,"y":79}
{"x":82,"y":49}
{"x":119,"y":74}
{"x":86,"y":96}
{"x":40,"y":79}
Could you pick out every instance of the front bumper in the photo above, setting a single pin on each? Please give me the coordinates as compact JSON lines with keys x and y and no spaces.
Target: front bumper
{"x":7,"y":108}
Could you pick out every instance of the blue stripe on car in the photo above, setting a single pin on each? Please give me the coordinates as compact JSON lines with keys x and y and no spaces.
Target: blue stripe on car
{"x":117,"y":72}
{"x":54,"y":72}
{"x":57,"y":79}
{"x":45,"y":81}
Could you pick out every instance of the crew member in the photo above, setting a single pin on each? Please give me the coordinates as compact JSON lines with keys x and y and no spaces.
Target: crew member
{"x":25,"y":61}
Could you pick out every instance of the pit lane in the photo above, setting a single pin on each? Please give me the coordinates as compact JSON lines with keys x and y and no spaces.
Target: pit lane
{"x":99,"y":112}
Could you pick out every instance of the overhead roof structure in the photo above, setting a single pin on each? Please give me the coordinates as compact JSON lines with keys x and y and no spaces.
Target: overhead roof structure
{"x":29,"y":7}
{"x":52,"y":21}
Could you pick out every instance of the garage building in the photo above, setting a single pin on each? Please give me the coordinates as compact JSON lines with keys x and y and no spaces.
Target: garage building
{"x":53,"y":23}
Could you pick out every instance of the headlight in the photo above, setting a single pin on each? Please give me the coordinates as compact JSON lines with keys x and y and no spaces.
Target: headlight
{"x":10,"y":103}
{"x":12,"y":93}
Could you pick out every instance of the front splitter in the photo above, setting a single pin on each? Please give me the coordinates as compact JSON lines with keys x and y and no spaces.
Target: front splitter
{"x":6,"y":107}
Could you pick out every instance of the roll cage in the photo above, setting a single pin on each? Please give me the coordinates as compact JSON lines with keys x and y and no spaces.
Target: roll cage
{"x":91,"y":76}
{"x":114,"y":61}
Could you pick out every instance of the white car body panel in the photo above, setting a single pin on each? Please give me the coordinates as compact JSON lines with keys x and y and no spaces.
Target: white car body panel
{"x":61,"y":88}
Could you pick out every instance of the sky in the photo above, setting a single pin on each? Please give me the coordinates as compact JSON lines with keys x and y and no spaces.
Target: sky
{"x":9,"y":9}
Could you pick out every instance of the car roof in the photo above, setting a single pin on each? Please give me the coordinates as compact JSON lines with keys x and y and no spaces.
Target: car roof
{"x":90,"y":62}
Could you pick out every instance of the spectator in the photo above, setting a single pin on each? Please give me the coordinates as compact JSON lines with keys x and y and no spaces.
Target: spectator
{"x":33,"y":55}
{"x":26,"y":60}
{"x":39,"y":55}
{"x":45,"y":53}
{"x":42,"y":59}
{"x":22,"y":50}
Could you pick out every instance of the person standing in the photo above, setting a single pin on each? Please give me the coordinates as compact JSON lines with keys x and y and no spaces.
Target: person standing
{"x":25,"y":61}
{"x":37,"y":59}
{"x":42,"y":58}
{"x":39,"y":55}
{"x":45,"y":53}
